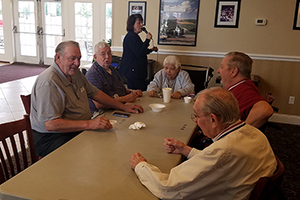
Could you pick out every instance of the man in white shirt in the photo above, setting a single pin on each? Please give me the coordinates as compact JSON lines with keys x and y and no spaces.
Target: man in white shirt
{"x":228,"y":169}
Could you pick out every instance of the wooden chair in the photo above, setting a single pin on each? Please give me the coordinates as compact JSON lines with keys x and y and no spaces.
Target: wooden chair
{"x":266,"y":187}
{"x":17,"y":136}
{"x":26,"y":99}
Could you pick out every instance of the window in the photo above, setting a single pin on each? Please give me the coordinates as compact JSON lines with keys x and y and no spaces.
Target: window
{"x":108,"y":22}
{"x":27,"y":28}
{"x":53,"y":27}
{"x":84,"y":28}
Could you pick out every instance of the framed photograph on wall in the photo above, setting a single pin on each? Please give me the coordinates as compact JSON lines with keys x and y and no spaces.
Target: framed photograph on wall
{"x":227,"y":13}
{"x":137,"y":7}
{"x":297,"y":16}
{"x":178,"y":22}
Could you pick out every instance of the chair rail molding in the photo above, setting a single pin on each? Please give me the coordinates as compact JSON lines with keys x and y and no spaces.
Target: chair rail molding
{"x":220,"y":54}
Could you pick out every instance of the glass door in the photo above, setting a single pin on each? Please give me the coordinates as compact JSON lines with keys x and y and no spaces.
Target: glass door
{"x":84,"y":29}
{"x":37,"y":30}
{"x":25,"y":32}
{"x":53,"y":31}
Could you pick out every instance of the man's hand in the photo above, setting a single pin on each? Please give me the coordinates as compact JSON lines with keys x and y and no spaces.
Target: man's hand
{"x":139,"y":93}
{"x":130,"y":97}
{"x":174,"y":146}
{"x":133,"y":108}
{"x":176,"y":95}
{"x":152,"y":93}
{"x":136,"y":159}
{"x":100,"y":123}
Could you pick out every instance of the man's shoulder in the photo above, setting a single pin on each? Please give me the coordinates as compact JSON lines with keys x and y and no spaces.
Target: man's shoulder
{"x":47,"y":75}
{"x":244,"y":87}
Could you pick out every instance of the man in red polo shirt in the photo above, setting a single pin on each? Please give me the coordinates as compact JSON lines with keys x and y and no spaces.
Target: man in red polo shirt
{"x":235,"y":72}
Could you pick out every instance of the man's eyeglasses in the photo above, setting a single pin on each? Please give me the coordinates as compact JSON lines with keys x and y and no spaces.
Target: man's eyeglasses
{"x":194,"y":116}
{"x":104,"y":54}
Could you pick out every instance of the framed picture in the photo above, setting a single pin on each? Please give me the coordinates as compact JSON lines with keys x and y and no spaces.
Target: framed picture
{"x":227,"y":13}
{"x":297,"y":17}
{"x":178,"y":22}
{"x":137,"y":7}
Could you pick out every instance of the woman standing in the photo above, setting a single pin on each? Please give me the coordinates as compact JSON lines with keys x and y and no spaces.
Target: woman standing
{"x":134,"y":59}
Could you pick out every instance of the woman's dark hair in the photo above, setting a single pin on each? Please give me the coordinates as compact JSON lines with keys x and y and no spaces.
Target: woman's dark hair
{"x":131,"y":21}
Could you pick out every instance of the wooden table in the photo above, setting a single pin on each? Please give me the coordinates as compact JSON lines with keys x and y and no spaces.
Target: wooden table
{"x":95,"y":164}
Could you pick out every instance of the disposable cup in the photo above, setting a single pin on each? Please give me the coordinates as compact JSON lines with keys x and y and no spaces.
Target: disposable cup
{"x":167,"y":94}
{"x":187,"y":99}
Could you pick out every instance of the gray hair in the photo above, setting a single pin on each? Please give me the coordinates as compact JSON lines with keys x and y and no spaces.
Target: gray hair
{"x":221,"y":103}
{"x":62,"y":46}
{"x":173,"y":60}
{"x":101,"y":44}
{"x":241,"y":61}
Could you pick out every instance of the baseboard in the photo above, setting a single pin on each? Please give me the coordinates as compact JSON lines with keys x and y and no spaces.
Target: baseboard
{"x":285,"y":119}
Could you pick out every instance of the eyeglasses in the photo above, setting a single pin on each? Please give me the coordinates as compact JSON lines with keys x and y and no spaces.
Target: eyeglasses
{"x":104,"y":54}
{"x":194,"y":116}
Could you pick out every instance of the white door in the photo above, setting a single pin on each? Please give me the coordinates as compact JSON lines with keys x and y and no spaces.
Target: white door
{"x":37,"y":30}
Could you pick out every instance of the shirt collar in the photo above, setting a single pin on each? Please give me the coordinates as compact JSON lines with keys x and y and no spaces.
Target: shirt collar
{"x":229,"y":129}
{"x":238,"y":83}
{"x":61,"y":75}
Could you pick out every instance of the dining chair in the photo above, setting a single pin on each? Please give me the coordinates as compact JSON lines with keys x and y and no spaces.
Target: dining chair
{"x":200,"y":76}
{"x":17,"y":148}
{"x":26,"y":100}
{"x":268,"y":187}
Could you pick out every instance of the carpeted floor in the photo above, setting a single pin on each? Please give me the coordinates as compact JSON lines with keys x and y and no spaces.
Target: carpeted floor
{"x":21,"y":70}
{"x":285,"y":141}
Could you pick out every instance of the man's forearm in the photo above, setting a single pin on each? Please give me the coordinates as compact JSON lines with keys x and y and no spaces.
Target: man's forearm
{"x":65,"y":126}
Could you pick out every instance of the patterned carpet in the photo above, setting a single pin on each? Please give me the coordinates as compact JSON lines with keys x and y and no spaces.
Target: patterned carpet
{"x":21,"y":70}
{"x":285,"y":141}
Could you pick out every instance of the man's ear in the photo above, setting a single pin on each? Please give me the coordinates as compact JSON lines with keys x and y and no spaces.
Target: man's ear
{"x":95,"y":56}
{"x":214,"y":120}
{"x":234,"y":72}
{"x":57,"y":57}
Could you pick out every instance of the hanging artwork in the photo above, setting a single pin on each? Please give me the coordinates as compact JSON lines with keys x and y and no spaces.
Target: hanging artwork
{"x":227,"y":13}
{"x":178,"y":22}
{"x":297,"y":16}
{"x":137,"y":7}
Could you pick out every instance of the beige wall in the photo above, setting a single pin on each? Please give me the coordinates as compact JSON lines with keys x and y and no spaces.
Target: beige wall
{"x":275,"y":47}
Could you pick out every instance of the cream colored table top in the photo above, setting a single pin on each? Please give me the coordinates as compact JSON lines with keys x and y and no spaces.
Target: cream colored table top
{"x":95,"y":164}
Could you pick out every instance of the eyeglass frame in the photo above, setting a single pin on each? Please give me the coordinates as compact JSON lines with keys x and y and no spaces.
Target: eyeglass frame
{"x":194,"y":116}
{"x":104,"y":54}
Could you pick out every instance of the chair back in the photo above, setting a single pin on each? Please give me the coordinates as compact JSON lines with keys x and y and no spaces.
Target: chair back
{"x":200,"y":76}
{"x":17,"y":152}
{"x":265,"y":185}
{"x":26,"y":99}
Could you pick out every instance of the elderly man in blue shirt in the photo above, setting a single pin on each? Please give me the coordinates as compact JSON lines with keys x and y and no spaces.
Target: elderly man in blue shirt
{"x":107,"y":79}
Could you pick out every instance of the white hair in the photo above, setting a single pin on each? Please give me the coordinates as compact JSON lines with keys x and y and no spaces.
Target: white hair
{"x":173,"y":60}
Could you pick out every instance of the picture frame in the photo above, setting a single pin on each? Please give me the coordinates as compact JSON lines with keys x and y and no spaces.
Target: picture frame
{"x":296,"y":25}
{"x":227,"y":13}
{"x":178,"y":22}
{"x":137,"y":7}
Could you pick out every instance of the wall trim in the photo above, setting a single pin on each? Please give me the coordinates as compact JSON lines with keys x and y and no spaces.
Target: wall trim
{"x":220,"y":54}
{"x":285,"y":119}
